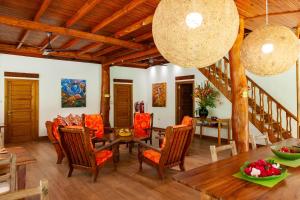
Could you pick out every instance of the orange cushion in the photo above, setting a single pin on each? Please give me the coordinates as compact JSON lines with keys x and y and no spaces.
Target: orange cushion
{"x":95,"y":122}
{"x":188,"y":121}
{"x":103,"y":156}
{"x":152,"y":155}
{"x":55,"y":125}
{"x":142,"y":121}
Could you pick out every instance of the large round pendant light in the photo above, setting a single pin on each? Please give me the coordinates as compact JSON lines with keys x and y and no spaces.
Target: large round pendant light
{"x":270,"y":50}
{"x":195,"y":33}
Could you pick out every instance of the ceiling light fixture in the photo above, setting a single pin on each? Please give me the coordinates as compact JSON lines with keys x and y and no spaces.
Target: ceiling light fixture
{"x":191,"y":33}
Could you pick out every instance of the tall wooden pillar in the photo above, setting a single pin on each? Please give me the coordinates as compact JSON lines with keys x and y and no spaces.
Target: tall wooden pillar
{"x":239,"y":90}
{"x":105,"y":94}
{"x":298,"y":88}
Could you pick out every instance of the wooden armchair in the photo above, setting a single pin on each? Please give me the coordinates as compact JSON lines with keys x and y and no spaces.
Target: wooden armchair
{"x":52,"y":128}
{"x":8,"y":176}
{"x":143,"y":126}
{"x":172,"y":154}
{"x":42,"y":190}
{"x":186,"y":121}
{"x":78,"y":148}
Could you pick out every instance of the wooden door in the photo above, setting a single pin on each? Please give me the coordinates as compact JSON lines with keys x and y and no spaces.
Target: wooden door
{"x":184,"y":100}
{"x":122,"y":105}
{"x":21,"y":110}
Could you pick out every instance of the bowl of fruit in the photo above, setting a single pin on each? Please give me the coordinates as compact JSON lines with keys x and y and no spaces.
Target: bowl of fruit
{"x":286,"y":152}
{"x":262,"y":170}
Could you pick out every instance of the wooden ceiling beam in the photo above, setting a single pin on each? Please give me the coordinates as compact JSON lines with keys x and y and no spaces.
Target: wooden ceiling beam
{"x":88,"y":6}
{"x":140,"y":38}
{"x":123,"y":11}
{"x":122,"y":59}
{"x":134,"y":65}
{"x":139,"y":24}
{"x":35,"y":52}
{"x":68,"y":32}
{"x":36,"y":18}
{"x":146,"y":57}
{"x":87,"y":48}
{"x":273,"y":14}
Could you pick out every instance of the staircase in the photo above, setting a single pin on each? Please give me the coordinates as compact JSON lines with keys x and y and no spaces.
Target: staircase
{"x":265,"y":113}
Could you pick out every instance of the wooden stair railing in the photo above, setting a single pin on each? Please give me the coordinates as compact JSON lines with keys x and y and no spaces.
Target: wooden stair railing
{"x":265,"y":113}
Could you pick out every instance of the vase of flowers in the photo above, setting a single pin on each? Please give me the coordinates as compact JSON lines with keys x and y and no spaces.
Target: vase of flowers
{"x":206,"y":96}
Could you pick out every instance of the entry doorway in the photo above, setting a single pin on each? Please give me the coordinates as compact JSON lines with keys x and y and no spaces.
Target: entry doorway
{"x":184,"y":99}
{"x":21,"y":110}
{"x":122,"y":103}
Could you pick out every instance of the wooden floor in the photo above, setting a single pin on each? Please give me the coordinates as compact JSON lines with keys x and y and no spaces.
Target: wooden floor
{"x":125,"y":183}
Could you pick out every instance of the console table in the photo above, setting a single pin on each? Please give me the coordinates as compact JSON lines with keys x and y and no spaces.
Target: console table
{"x":218,"y":124}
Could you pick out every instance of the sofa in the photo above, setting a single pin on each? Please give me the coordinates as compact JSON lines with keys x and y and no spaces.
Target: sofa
{"x":93,"y":122}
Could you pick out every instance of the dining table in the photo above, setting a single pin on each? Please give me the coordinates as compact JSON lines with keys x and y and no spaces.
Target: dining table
{"x":23,"y":158}
{"x":216,"y":180}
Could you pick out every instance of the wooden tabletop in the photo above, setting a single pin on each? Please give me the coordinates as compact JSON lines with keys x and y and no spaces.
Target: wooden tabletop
{"x":22,"y":155}
{"x":215,"y":180}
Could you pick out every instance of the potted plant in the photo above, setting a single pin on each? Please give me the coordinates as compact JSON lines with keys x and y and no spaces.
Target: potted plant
{"x":206,"y":96}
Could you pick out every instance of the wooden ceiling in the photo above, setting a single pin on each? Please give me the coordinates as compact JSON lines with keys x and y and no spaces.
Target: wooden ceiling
{"x":109,"y":32}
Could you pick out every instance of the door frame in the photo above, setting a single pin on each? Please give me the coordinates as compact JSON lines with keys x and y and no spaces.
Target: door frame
{"x":180,"y":80}
{"x":123,"y":82}
{"x":35,"y":134}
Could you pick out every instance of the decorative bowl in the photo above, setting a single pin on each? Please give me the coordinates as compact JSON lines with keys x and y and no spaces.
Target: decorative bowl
{"x":286,"y":155}
{"x":124,"y":132}
{"x":246,"y":164}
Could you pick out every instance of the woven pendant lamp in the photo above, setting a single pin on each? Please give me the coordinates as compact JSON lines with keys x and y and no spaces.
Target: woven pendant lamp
{"x":195,"y":33}
{"x":270,"y":50}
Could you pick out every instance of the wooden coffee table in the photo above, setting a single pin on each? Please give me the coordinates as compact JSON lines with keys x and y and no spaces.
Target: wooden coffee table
{"x":129,"y":140}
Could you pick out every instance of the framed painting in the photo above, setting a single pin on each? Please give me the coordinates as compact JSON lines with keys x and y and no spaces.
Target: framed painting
{"x":73,"y":93}
{"x":159,"y":94}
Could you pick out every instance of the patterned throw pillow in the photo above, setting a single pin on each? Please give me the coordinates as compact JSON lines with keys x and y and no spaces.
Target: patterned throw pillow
{"x":77,"y":120}
{"x":69,"y":120}
{"x":61,"y":120}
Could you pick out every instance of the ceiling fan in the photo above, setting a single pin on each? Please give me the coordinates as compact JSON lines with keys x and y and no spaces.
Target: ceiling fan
{"x":153,"y":61}
{"x":49,"y":49}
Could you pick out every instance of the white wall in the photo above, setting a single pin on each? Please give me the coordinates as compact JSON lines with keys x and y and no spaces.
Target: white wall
{"x":139,"y":77}
{"x":164,"y":117}
{"x":51,"y":72}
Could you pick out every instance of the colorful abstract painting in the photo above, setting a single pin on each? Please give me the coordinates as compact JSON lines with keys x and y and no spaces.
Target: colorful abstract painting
{"x":73,"y":93}
{"x":159,"y":94}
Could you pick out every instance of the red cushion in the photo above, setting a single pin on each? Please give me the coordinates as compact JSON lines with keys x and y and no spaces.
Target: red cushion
{"x":142,"y":121}
{"x":95,"y":122}
{"x":55,"y":125}
{"x":152,"y":155}
{"x":103,"y":156}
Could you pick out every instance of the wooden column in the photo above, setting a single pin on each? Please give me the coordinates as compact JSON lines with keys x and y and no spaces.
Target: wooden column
{"x":239,"y":90}
{"x":105,"y":94}
{"x":298,"y":88}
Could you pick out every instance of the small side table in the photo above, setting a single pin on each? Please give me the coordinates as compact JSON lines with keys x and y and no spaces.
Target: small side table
{"x":218,"y":124}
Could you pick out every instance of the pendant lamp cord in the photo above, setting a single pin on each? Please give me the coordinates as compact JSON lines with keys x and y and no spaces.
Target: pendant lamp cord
{"x":267,"y":12}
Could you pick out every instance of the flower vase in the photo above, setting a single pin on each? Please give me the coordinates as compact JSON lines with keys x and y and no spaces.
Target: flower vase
{"x":203,"y":112}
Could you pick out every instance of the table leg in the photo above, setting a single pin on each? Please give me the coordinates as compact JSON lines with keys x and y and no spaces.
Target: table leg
{"x":201,"y":131}
{"x":21,"y":177}
{"x":228,"y":132}
{"x":219,"y":133}
{"x":130,"y":146}
{"x":116,"y":152}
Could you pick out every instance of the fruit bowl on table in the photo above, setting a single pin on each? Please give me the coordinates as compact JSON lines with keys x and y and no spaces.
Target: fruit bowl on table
{"x":285,"y":152}
{"x":262,"y":170}
{"x":124,"y":132}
